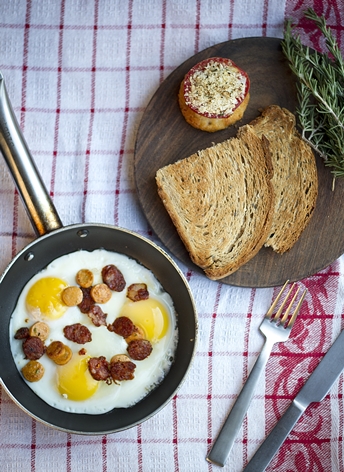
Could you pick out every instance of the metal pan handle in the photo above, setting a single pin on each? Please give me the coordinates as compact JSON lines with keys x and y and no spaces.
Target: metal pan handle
{"x":41,"y":211}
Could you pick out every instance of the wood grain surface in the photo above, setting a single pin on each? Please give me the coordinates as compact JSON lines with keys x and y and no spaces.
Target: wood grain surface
{"x":164,"y":137}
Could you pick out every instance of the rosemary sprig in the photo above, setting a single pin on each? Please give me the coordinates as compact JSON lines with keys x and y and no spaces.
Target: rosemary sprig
{"x":320,"y":89}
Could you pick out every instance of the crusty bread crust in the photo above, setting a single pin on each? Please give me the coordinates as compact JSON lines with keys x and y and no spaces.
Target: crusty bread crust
{"x":295,"y":179}
{"x":220,"y":200}
{"x":206,"y":123}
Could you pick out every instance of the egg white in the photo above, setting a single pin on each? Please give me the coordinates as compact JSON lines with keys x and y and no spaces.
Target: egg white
{"x":148,"y":373}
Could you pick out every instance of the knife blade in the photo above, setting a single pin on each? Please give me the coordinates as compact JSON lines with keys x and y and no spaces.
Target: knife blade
{"x":314,"y":390}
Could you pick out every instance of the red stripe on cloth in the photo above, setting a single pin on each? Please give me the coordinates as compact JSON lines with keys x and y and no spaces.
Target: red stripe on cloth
{"x":139,"y":448}
{"x":197,"y":25}
{"x":265,"y":17}
{"x":90,"y":128}
{"x":15,"y":223}
{"x":210,"y":364}
{"x":25,"y":61}
{"x":69,"y":452}
{"x":175,"y":434}
{"x":126,"y":113}
{"x":81,"y":69}
{"x":33,"y":445}
{"x":299,"y":356}
{"x":58,"y":98}
{"x":231,"y":16}
{"x":162,"y":45}
{"x":104,"y":454}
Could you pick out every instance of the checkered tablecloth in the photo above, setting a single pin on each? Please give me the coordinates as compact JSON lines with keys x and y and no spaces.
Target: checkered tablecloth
{"x":80,"y":74}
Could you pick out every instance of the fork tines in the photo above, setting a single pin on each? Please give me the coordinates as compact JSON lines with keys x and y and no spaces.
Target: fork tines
{"x":284,"y":320}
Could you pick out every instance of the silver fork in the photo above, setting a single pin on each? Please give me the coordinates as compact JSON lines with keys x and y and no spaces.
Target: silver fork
{"x":275,"y":329}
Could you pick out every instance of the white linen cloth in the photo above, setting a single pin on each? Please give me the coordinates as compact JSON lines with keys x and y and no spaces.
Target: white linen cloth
{"x":80,"y":74}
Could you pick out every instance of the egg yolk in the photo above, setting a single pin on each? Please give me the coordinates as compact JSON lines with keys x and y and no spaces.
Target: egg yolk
{"x":44,"y":298}
{"x":150,"y":315}
{"x":74,"y":379}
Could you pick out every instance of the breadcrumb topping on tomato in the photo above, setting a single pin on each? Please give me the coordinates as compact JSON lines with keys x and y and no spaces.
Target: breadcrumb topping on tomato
{"x":216,"y":88}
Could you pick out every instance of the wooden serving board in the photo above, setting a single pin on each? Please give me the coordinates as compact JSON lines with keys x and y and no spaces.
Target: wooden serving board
{"x":164,"y":137}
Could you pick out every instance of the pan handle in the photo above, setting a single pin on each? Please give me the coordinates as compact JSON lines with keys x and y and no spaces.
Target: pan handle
{"x":38,"y":204}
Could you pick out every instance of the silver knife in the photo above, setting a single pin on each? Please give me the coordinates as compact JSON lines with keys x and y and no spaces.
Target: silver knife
{"x":314,"y":390}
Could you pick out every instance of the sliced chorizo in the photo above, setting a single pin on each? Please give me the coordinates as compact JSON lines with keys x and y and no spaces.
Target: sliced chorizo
{"x":97,"y":316}
{"x":122,"y":368}
{"x":33,"y":348}
{"x":77,"y":333}
{"x":113,"y":278}
{"x":99,"y":368}
{"x":22,"y":333}
{"x":87,"y":300}
{"x":137,"y":292}
{"x":139,"y":349}
{"x":123,"y":326}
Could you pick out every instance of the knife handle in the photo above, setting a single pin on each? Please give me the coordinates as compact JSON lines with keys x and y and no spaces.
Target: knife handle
{"x":275,"y":439}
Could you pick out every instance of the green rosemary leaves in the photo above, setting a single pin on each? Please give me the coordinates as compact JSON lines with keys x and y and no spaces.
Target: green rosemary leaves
{"x":320,"y":89}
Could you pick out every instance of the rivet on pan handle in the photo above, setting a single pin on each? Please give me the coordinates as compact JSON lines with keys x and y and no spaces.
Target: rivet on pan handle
{"x":41,"y":211}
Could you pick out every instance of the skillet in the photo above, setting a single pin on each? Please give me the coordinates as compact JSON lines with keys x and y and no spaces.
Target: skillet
{"x":55,"y":240}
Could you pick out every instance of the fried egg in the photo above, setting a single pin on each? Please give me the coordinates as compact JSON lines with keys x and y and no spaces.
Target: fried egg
{"x":150,"y":315}
{"x":41,"y":306}
{"x":71,"y":387}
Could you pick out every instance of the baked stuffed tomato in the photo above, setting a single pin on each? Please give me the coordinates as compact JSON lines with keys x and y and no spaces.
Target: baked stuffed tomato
{"x":214,"y":94}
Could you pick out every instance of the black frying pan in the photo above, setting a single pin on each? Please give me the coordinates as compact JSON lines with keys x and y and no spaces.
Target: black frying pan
{"x":53,"y":241}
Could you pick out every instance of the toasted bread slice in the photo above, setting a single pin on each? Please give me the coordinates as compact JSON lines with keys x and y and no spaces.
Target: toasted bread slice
{"x":295,"y":178}
{"x":220,"y":201}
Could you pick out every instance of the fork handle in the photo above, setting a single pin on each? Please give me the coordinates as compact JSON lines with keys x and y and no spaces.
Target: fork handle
{"x":225,"y":440}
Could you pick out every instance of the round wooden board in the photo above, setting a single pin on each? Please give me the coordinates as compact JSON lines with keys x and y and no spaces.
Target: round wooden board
{"x":164,"y":137}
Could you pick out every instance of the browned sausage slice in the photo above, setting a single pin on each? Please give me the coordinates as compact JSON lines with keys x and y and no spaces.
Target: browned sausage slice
{"x":87,"y":300}
{"x":137,"y":292}
{"x":99,"y":368}
{"x":33,"y":348}
{"x":121,"y":368}
{"x":113,"y":278}
{"x":77,"y":333}
{"x":123,"y":326}
{"x":97,"y":316}
{"x":22,"y":333}
{"x":139,"y":349}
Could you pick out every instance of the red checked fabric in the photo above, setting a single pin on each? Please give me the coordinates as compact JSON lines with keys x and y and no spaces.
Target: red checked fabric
{"x":80,"y":74}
